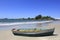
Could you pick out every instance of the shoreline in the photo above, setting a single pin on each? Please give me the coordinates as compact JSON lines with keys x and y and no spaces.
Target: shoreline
{"x":17,"y":23}
{"x":7,"y":34}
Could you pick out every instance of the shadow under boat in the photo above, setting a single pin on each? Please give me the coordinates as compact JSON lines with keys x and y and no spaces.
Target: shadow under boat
{"x":36,"y":35}
{"x":47,"y":32}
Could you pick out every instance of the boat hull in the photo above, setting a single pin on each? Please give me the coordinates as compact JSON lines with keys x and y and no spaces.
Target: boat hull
{"x":42,"y":33}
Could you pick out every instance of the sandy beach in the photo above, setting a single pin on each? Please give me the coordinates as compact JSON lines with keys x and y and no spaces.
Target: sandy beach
{"x":7,"y":34}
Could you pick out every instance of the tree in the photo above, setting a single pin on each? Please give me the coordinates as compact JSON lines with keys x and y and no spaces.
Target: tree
{"x":29,"y":18}
{"x":38,"y":17}
{"x":47,"y":18}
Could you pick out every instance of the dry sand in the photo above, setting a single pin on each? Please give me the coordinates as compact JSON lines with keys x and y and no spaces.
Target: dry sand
{"x":7,"y":34}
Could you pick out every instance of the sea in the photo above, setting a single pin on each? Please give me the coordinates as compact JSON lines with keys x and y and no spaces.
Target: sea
{"x":23,"y":24}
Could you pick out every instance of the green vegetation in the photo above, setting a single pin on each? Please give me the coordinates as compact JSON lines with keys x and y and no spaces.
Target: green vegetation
{"x":38,"y":17}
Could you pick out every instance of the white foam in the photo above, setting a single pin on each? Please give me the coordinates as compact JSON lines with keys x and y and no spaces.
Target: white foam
{"x":17,"y":23}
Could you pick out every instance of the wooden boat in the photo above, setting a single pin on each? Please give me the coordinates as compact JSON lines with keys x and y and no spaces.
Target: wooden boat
{"x":33,"y":32}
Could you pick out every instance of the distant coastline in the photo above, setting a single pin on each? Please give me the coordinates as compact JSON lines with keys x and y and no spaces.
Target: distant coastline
{"x":38,"y":17}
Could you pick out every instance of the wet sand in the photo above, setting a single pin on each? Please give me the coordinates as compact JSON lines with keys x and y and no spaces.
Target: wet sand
{"x":7,"y":34}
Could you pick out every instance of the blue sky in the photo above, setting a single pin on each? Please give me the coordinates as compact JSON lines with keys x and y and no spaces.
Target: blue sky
{"x":29,"y":8}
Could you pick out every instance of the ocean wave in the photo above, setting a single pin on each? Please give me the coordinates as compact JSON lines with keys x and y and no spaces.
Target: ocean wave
{"x":18,"y":23}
